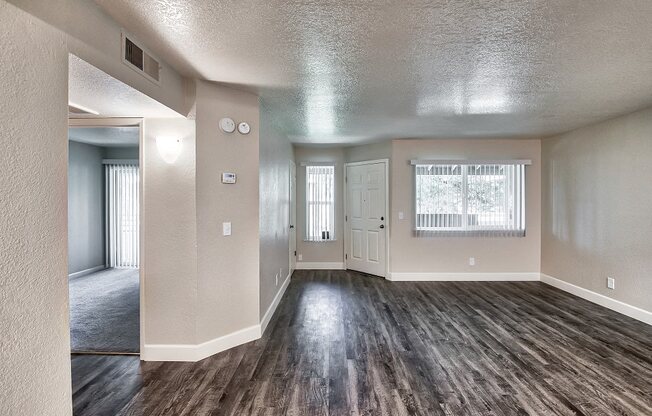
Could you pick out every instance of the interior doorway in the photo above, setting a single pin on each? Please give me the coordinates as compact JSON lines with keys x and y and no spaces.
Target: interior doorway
{"x":366,"y":222}
{"x":293,"y":217}
{"x":104,"y":235}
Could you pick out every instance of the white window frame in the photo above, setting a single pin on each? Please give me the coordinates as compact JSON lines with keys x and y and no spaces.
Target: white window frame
{"x":309,"y":236}
{"x":512,"y":227}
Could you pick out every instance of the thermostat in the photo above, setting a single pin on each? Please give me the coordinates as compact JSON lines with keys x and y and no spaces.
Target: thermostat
{"x":228,"y":177}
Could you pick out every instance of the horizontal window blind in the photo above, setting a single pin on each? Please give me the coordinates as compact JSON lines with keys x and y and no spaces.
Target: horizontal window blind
{"x":123,"y":219}
{"x":320,"y":203}
{"x":470,"y":199}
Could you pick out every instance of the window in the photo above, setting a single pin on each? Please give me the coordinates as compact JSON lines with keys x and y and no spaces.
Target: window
{"x":122,"y":210}
{"x":470,"y":198}
{"x":320,"y":203}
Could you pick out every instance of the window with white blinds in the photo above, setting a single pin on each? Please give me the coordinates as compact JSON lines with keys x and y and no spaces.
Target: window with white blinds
{"x":122,"y":216}
{"x":484,"y":198}
{"x":320,"y":203}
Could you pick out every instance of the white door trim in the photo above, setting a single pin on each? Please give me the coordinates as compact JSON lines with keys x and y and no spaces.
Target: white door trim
{"x":292,"y":257}
{"x":128,"y":122}
{"x":387,"y":213}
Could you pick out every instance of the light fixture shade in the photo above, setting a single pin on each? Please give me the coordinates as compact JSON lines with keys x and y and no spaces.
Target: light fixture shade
{"x":169,"y":148}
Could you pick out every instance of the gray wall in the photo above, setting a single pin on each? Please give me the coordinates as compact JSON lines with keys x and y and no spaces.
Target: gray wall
{"x":86,"y":232}
{"x":275,"y":156}
{"x":121,"y":152}
{"x":85,"y":207}
{"x":597,"y":208}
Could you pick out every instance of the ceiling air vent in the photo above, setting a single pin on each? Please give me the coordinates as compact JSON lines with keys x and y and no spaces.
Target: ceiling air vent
{"x":139,"y":59}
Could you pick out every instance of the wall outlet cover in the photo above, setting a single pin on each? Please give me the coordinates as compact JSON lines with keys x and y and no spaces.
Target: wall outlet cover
{"x":226,"y":228}
{"x":611,"y":283}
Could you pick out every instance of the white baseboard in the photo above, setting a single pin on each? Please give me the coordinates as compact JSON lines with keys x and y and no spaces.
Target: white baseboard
{"x":87,"y":271}
{"x":602,"y":300}
{"x":304,"y":265}
{"x":190,"y":352}
{"x":272,"y":308}
{"x":463,"y":277}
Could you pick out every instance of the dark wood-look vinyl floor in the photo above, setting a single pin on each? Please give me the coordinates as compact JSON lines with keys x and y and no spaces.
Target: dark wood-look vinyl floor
{"x":342,"y":343}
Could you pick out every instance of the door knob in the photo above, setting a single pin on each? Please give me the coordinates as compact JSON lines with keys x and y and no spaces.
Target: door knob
{"x":382,"y":226}
{"x":291,"y":226}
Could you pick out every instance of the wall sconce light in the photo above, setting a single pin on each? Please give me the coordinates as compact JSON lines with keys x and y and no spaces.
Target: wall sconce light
{"x":169,"y":148}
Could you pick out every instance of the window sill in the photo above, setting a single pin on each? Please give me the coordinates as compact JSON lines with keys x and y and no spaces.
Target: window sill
{"x":468,"y":233}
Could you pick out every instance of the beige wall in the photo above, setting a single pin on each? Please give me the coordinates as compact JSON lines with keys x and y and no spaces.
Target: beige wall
{"x":95,"y":37}
{"x":597,"y":205}
{"x":228,"y":267}
{"x":451,"y":254}
{"x":34,"y":340}
{"x":323,"y":252}
{"x":373,"y":151}
{"x":169,"y":268}
{"x":275,"y":156}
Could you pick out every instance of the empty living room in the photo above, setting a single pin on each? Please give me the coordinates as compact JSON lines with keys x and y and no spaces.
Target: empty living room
{"x":308,"y":207}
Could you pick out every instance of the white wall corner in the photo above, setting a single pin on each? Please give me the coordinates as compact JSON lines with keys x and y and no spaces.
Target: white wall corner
{"x":272,"y":308}
{"x":463,"y":277}
{"x":602,"y":300}
{"x":320,"y":266}
{"x":197,"y":352}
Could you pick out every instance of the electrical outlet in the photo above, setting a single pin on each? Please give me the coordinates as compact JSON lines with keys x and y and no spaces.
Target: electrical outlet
{"x":401,"y":215}
{"x":226,"y":228}
{"x":276,"y":279}
{"x":300,"y":257}
{"x":471,"y":261}
{"x":611,"y":283}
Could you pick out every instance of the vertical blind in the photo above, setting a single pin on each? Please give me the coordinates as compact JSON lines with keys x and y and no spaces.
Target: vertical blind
{"x":122,"y":216}
{"x":473,"y":198}
{"x":320,"y":203}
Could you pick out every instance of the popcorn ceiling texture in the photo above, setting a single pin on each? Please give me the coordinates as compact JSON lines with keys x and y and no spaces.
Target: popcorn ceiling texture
{"x":34,"y":341}
{"x":352,"y":71}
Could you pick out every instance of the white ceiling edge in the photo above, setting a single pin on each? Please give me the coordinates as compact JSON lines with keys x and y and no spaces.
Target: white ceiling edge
{"x":98,"y":91}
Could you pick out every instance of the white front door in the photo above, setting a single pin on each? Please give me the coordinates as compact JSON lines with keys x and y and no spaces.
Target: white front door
{"x":293,"y":217}
{"x":366,"y":219}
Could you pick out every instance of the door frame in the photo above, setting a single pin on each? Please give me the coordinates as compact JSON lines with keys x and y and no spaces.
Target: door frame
{"x":128,"y":122}
{"x":292,"y":200}
{"x":387,"y":213}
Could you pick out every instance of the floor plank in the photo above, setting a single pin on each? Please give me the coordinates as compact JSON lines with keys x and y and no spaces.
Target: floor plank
{"x":343,"y":343}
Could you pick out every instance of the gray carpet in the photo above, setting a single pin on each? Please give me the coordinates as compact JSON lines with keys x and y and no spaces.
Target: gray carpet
{"x":104,"y":311}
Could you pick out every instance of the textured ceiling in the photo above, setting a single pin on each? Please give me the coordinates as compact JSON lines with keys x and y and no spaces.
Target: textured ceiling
{"x":106,"y":136}
{"x":359,"y":71}
{"x":95,"y":90}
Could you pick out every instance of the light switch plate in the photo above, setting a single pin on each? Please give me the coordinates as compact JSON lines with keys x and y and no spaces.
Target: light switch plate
{"x":226,"y":228}
{"x":401,"y":215}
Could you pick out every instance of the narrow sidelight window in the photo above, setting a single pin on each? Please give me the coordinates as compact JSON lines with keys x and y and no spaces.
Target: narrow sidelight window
{"x":320,"y":203}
